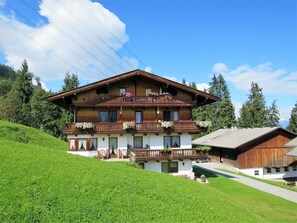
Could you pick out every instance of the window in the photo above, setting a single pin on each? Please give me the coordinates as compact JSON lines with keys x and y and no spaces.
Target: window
{"x":72,"y":144}
{"x":138,"y":117}
{"x":122,"y":91}
{"x":174,"y":116}
{"x":112,"y":116}
{"x":138,"y":142}
{"x":166,"y":115}
{"x":268,"y":170}
{"x":286,"y":169}
{"x":294,"y":168}
{"x":82,"y":144}
{"x":277,"y":169}
{"x":93,"y":144}
{"x":171,"y":141}
{"x":256,"y":172}
{"x":148,"y":91}
{"x":169,"y":167}
{"x":103,"y":117}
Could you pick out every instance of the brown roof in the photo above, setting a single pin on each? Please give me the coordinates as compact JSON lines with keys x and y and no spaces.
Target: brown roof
{"x":211,"y":98}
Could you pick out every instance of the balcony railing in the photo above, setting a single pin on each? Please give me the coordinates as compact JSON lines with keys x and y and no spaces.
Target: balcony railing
{"x":176,"y":154}
{"x":162,"y":100}
{"x":145,"y":127}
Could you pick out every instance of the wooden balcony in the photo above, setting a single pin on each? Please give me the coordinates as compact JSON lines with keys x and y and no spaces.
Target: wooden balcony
{"x":149,"y":101}
{"x":146,"y":127}
{"x":157,"y":155}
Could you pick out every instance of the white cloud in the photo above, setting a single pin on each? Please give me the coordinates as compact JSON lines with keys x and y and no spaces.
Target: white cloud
{"x":285,"y":114}
{"x":171,"y":78}
{"x":273,"y":81}
{"x":237,"y":107}
{"x":47,"y":49}
{"x":148,"y":69}
{"x":202,"y":86}
{"x":43,"y":86}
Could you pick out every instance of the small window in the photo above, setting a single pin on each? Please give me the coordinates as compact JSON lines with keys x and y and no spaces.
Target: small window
{"x":72,"y":144}
{"x":277,"y":169}
{"x":103,"y":117}
{"x":112,"y":116}
{"x":286,"y":169}
{"x":175,"y":141}
{"x":93,"y":144}
{"x":171,"y":141}
{"x":164,"y":167}
{"x":256,"y":172}
{"x":294,"y":168}
{"x":82,"y":144}
{"x":122,"y":91}
{"x":138,"y":117}
{"x":173,"y":167}
{"x":148,"y":91}
{"x":174,"y":116}
{"x":169,"y":167}
{"x":138,"y":142}
{"x":268,"y":170}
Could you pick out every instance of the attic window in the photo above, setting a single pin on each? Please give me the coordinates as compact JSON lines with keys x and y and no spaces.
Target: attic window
{"x":122,"y":91}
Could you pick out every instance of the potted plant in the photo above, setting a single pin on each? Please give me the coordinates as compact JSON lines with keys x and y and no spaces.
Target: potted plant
{"x":166,"y":151}
{"x":166,"y":124}
{"x":129,"y":126}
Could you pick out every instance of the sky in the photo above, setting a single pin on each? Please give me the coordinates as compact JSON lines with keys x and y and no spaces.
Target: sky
{"x":246,"y":41}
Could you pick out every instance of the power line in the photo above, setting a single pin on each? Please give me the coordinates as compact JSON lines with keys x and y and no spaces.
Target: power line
{"x":88,"y":40}
{"x":59,"y":57}
{"x":114,"y":36}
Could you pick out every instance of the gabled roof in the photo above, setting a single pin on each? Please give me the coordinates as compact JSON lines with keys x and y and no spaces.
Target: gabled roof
{"x":292,"y":153}
{"x":292,"y":143}
{"x":210,"y":98}
{"x":233,"y":138}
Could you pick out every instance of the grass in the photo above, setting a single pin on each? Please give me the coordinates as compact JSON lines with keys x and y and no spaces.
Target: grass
{"x":40,"y":182}
{"x":275,"y":183}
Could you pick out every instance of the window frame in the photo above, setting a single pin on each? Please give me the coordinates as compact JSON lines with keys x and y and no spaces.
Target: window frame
{"x":108,"y":116}
{"x":268,"y":170}
{"x":138,"y":137}
{"x":168,"y":166}
{"x":140,"y":112}
{"x":146,"y":91}
{"x":171,"y":142}
{"x":256,"y":173}
{"x":125,"y":90}
{"x":172,"y":116}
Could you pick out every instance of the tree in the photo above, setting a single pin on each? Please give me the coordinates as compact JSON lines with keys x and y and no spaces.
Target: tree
{"x":273,"y":115}
{"x":23,"y":84}
{"x":254,"y":112}
{"x":293,"y":120}
{"x":10,"y":107}
{"x":70,"y":82}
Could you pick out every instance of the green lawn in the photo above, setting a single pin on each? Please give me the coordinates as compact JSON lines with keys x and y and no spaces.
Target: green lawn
{"x":40,"y":182}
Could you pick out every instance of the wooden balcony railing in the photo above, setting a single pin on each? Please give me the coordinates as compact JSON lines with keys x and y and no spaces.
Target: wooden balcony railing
{"x":176,"y":154}
{"x":135,"y":100}
{"x":146,"y":127}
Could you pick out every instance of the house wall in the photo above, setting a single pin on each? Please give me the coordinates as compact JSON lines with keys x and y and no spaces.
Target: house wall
{"x":263,"y":174}
{"x":184,"y":167}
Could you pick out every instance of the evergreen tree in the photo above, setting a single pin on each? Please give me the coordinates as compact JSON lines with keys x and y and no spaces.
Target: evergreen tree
{"x":255,"y":113}
{"x":70,"y":82}
{"x":184,"y":82}
{"x":23,"y":84}
{"x":10,"y":107}
{"x":293,"y":120}
{"x":273,"y":115}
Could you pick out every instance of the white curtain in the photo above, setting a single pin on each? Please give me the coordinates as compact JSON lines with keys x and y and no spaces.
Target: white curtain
{"x":82,"y":144}
{"x":72,"y":144}
{"x":93,"y":144}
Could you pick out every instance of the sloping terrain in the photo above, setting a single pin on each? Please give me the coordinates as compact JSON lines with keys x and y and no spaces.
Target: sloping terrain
{"x":40,"y":182}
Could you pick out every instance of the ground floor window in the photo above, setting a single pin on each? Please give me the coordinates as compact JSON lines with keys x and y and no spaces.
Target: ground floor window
{"x":93,"y":144}
{"x":82,"y":144}
{"x":286,"y":169}
{"x":72,"y":144}
{"x":277,"y":169}
{"x":169,"y":167}
{"x":138,"y":142}
{"x":268,"y":170}
{"x":294,"y":168}
{"x":256,"y":172}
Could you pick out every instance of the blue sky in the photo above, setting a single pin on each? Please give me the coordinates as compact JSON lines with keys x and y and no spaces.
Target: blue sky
{"x":245,"y":40}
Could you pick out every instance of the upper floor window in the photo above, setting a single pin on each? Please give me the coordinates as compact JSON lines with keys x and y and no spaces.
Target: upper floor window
{"x":171,"y":141}
{"x":148,"y":91}
{"x":105,"y":116}
{"x":170,"y":116}
{"x":122,"y":91}
{"x":138,"y":117}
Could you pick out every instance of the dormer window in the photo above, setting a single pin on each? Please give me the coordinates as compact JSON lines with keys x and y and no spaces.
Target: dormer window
{"x":122,"y":91}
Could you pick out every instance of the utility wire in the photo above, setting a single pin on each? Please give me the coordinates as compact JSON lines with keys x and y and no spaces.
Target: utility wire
{"x":88,"y":40}
{"x":67,"y":48}
{"x":114,"y":36}
{"x":27,"y":36}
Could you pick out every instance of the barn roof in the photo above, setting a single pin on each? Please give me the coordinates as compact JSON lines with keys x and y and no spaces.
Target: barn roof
{"x":292,"y":153}
{"x":233,"y":138}
{"x":292,"y":143}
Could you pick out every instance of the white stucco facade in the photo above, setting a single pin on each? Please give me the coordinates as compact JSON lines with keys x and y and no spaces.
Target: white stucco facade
{"x":271,"y":173}
{"x":184,"y":167}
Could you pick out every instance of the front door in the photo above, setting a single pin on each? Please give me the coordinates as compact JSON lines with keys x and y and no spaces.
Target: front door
{"x":113,"y":145}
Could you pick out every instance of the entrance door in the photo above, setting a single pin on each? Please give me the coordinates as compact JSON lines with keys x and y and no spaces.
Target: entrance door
{"x":113,"y":146}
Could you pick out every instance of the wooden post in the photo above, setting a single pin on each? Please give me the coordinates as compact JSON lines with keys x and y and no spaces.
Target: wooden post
{"x":88,"y":144}
{"x":76,"y":144}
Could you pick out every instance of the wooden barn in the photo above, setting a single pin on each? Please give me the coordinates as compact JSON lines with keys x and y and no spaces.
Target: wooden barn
{"x":258,"y":152}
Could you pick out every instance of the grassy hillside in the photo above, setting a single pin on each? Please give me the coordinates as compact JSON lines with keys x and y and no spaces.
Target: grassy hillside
{"x":40,"y":182}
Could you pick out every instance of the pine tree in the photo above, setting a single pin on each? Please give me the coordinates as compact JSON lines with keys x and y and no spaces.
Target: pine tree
{"x":273,"y":115}
{"x":23,"y":84}
{"x":293,"y":120}
{"x":255,"y":113}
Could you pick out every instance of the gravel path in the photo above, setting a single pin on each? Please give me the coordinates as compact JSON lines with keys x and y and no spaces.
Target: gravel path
{"x":268,"y":188}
